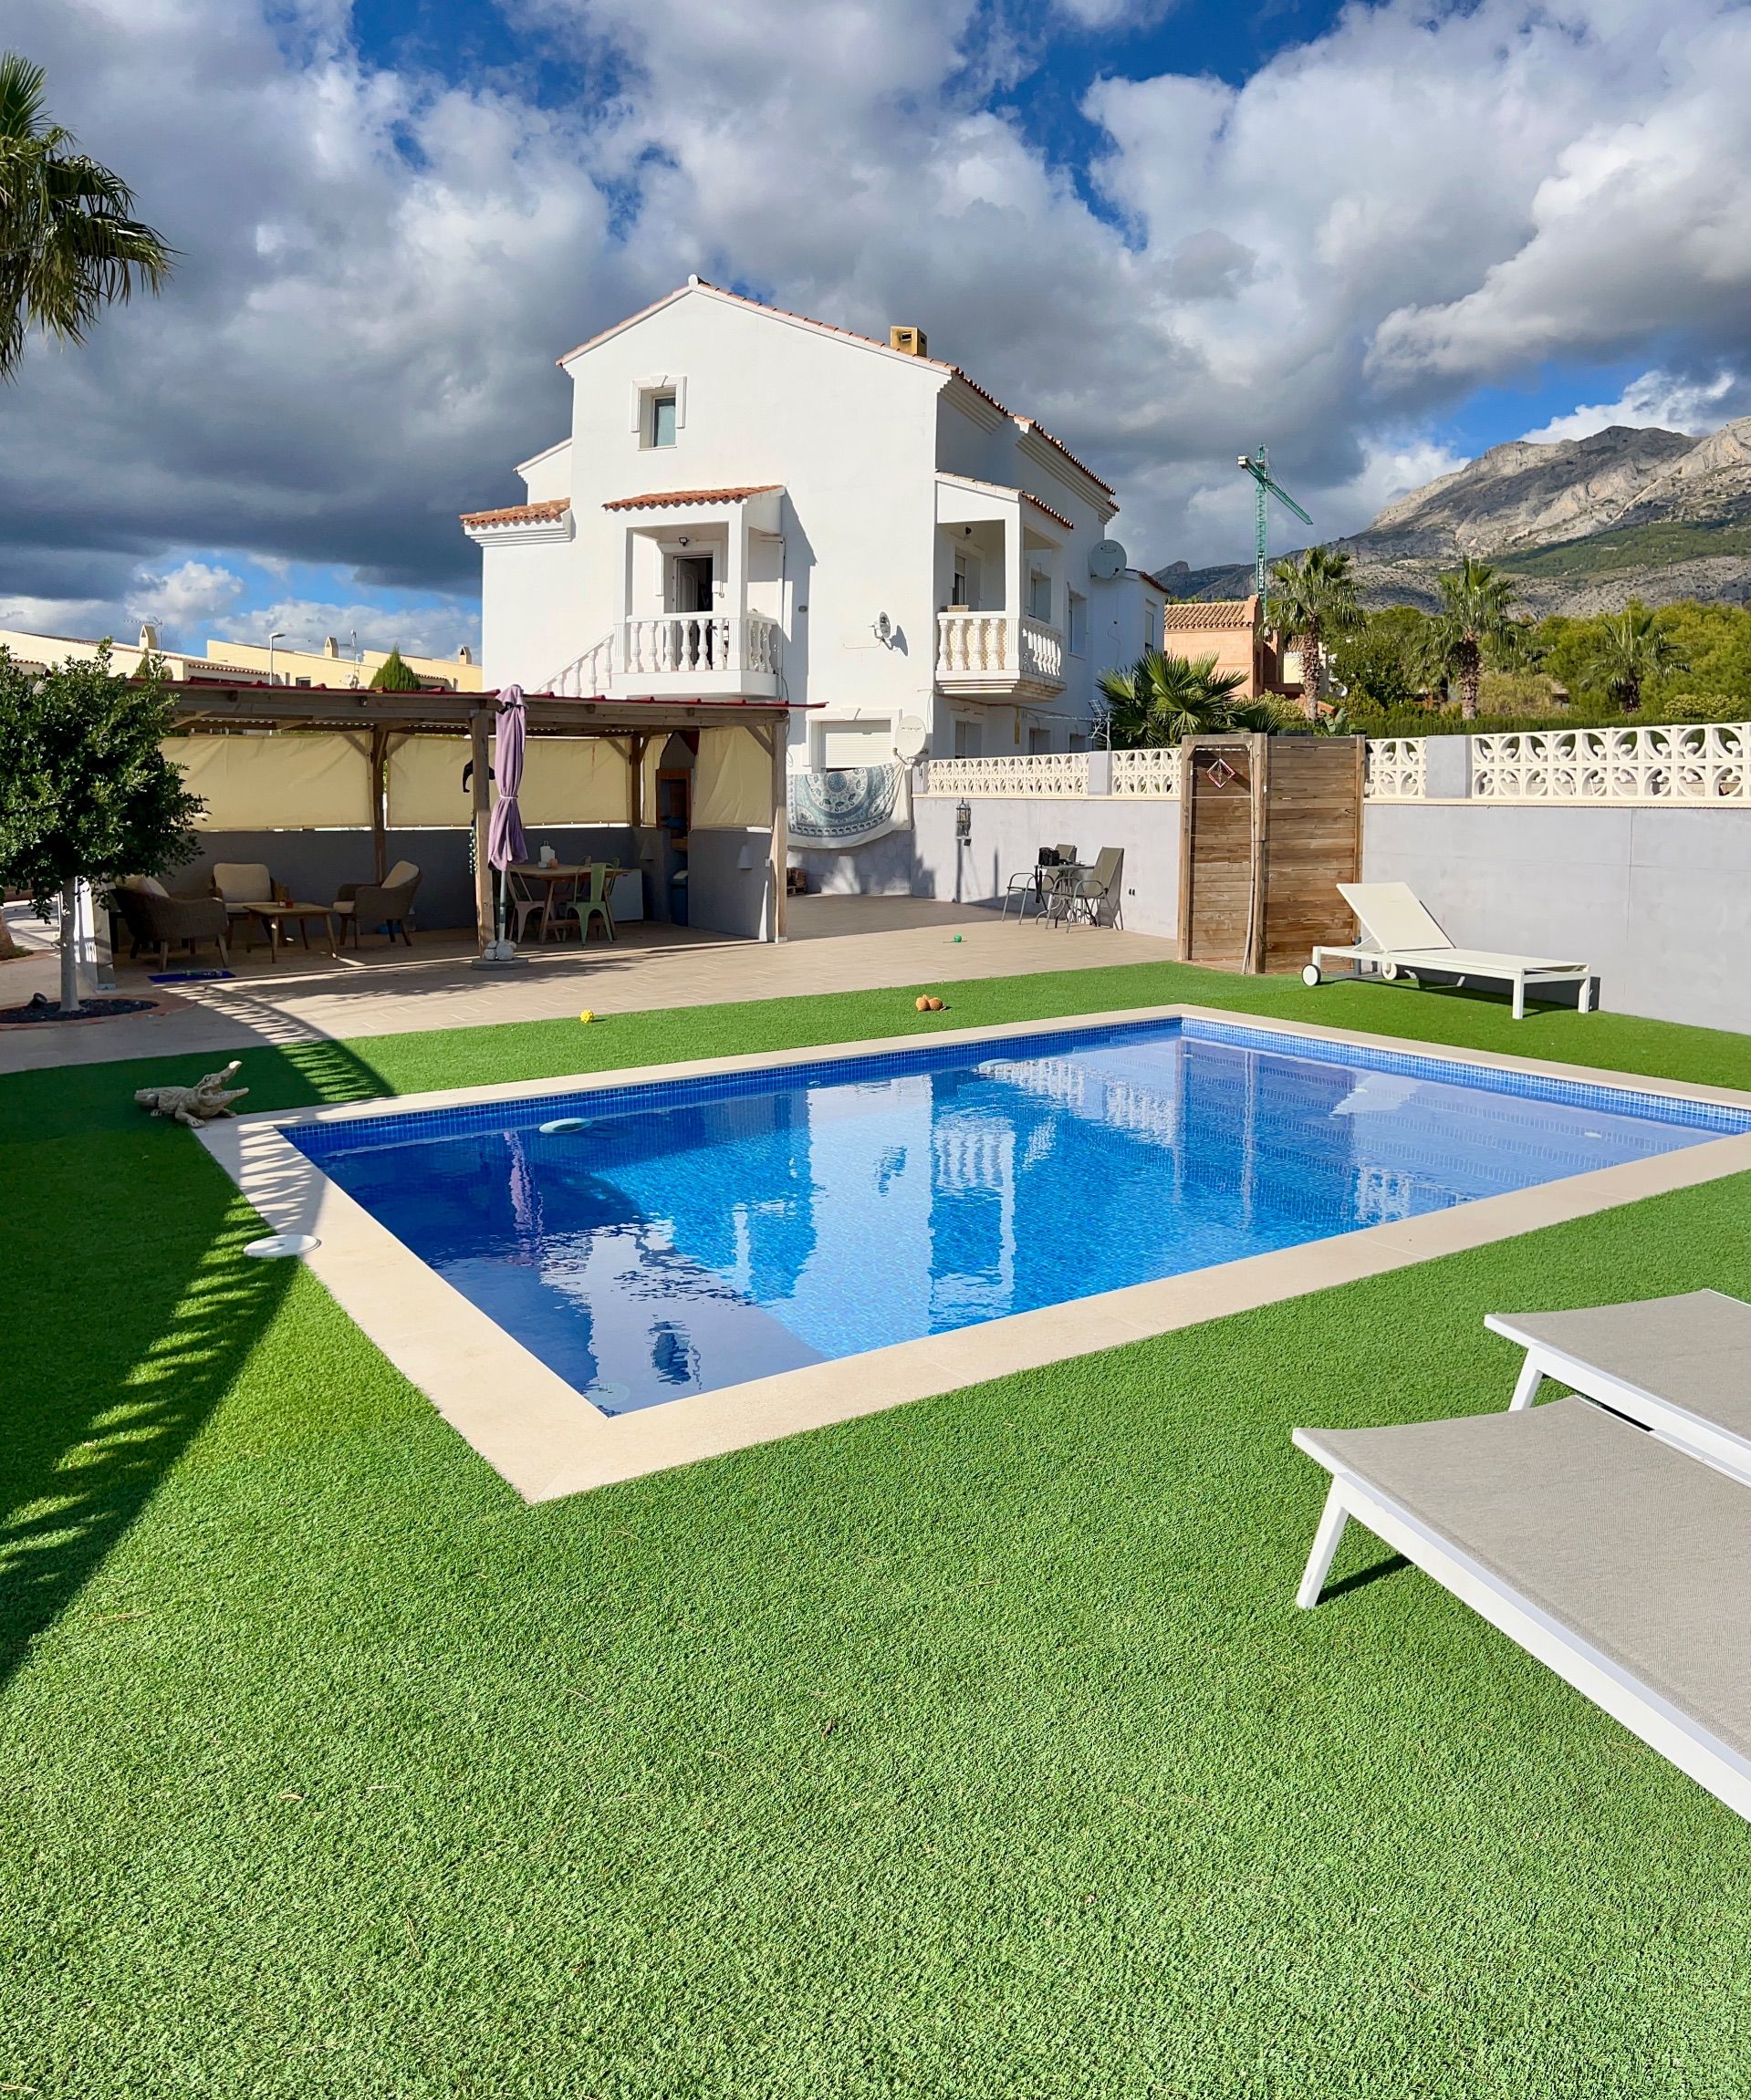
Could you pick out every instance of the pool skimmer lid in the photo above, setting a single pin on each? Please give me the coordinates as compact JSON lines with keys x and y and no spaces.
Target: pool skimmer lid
{"x":280,"y":1244}
{"x":563,"y":1126}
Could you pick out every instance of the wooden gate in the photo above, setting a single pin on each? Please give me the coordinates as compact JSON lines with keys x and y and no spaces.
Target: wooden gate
{"x":1269,"y":825}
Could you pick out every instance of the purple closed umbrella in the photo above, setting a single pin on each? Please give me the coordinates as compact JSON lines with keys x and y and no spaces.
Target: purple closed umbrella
{"x":504,"y":839}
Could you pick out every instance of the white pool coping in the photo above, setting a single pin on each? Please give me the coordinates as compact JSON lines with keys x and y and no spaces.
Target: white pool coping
{"x":543,"y":1436}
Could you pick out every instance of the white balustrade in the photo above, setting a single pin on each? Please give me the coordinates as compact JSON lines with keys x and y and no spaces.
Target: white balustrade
{"x":1398,"y":769}
{"x":760,"y":646}
{"x":1042,"y":652}
{"x":998,"y":649}
{"x":1056,"y":772}
{"x":679,"y":642}
{"x":973,"y":644}
{"x":675,"y":642}
{"x":1154,"y":772}
{"x":1701,"y":762}
{"x":587,"y":676}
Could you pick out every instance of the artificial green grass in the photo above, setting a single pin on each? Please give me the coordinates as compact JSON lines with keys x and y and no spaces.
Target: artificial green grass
{"x":972,"y":1748}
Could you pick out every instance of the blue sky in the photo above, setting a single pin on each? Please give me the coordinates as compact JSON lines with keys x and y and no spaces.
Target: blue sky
{"x":1378,"y":239}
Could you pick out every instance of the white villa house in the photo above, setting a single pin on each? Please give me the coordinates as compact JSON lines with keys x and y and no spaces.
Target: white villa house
{"x":754,"y":505}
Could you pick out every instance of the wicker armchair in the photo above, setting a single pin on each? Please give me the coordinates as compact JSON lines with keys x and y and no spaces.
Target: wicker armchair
{"x":386,"y":903}
{"x":154,"y":918}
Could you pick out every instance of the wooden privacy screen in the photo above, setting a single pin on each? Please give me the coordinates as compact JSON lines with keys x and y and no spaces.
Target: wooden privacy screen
{"x":1269,"y":825}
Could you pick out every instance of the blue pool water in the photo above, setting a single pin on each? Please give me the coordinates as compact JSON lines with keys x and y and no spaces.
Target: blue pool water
{"x":688,"y":1236}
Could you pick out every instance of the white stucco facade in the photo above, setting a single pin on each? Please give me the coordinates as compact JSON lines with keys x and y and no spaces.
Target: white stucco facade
{"x":750,"y":503}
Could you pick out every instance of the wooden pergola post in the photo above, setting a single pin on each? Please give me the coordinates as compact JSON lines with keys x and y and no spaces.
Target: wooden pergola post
{"x":778,"y":738}
{"x":636,"y":747}
{"x":378,"y":827}
{"x":482,"y":801}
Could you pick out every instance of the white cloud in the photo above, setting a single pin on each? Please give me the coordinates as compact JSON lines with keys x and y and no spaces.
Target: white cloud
{"x":1694,"y":406}
{"x":1633,"y":227}
{"x":185,"y":599}
{"x":379,"y":266}
{"x":436,"y":629}
{"x":75,"y":619}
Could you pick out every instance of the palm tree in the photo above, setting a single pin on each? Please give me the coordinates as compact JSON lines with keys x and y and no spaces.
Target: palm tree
{"x":1315,"y":599}
{"x":1475,"y":614}
{"x":1162,"y":698}
{"x":1631,"y":649}
{"x":69,"y":245}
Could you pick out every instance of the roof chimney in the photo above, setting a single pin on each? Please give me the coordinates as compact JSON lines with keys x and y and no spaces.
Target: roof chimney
{"x":148,"y":634}
{"x":331,"y":645}
{"x":912,"y":341}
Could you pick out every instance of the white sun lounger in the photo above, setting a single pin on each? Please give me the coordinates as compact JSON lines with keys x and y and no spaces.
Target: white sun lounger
{"x":1620,"y":1564}
{"x":1398,"y":939}
{"x":1679,"y":1366}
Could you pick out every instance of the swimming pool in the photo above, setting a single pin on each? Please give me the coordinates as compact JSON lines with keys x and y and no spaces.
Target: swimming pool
{"x":648,"y":1241}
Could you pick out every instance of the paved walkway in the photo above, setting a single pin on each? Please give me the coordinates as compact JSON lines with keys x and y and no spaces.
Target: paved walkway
{"x":837,"y":944}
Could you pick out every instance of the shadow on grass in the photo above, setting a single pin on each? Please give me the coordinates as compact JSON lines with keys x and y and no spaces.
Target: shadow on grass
{"x":1359,"y":1578}
{"x":135,"y":1309}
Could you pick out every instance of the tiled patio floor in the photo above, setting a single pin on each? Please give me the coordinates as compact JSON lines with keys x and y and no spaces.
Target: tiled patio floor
{"x":837,"y":944}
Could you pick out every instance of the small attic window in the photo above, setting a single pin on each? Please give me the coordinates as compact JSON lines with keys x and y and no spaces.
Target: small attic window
{"x":659,"y":411}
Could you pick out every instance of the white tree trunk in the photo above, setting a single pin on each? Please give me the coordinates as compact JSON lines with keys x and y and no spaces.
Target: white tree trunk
{"x":69,"y":948}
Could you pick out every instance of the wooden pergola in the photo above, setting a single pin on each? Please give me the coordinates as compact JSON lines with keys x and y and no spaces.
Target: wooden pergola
{"x":629,"y":725}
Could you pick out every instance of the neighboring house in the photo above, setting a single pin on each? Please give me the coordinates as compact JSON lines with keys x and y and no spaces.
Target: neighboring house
{"x":754,"y":504}
{"x":1231,"y":630}
{"x":227,"y":661}
{"x":40,"y":652}
{"x":333,"y":666}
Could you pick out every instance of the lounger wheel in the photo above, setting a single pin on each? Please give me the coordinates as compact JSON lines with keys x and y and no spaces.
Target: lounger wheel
{"x":1310,"y":977}
{"x":1390,"y":971}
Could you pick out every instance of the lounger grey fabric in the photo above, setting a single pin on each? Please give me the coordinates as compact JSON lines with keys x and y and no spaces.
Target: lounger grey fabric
{"x":1641,"y":1551}
{"x":1693,"y":1350}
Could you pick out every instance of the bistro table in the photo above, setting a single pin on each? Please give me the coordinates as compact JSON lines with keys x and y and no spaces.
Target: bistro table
{"x":1057,"y":890}
{"x":277,"y":917}
{"x":555,"y":912}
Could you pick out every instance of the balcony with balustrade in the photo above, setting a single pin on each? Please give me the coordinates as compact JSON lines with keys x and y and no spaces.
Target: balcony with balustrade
{"x":710,"y":656}
{"x":998,"y":656}
{"x":1000,"y":577}
{"x":701,"y":571}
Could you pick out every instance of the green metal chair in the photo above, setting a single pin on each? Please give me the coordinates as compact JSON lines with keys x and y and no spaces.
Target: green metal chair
{"x":594,"y":904}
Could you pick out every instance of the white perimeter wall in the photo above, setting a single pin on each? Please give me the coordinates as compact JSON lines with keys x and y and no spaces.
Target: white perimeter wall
{"x":1658,"y":900}
{"x":928,"y":860}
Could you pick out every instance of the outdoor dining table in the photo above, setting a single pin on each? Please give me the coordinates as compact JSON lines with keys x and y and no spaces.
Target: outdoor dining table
{"x":555,"y":919}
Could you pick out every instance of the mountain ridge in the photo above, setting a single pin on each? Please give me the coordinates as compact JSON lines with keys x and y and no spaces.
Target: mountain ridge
{"x":1582,"y":525}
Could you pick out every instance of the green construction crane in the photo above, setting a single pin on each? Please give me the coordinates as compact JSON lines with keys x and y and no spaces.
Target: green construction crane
{"x":1265,"y":488}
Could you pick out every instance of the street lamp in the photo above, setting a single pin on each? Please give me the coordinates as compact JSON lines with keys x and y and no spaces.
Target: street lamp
{"x":278,"y":635}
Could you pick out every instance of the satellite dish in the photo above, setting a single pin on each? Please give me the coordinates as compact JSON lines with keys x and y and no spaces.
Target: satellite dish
{"x":1106,"y":559}
{"x":911,"y":739}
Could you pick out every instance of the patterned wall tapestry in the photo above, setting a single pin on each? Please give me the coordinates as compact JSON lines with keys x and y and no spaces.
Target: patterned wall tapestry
{"x":850,"y":805}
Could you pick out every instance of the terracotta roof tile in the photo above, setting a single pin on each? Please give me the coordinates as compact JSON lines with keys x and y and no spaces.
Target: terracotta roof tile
{"x":1057,"y":515}
{"x":1203,"y":615}
{"x":519,"y":513}
{"x":671,"y":499}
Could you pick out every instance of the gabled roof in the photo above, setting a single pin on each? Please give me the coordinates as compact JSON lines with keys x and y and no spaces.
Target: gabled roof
{"x":519,"y":513}
{"x":1002,"y":489}
{"x":1204,"y":615}
{"x":697,"y":283}
{"x":671,"y":499}
{"x":546,"y":452}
